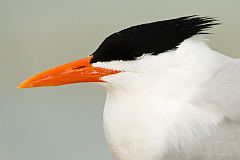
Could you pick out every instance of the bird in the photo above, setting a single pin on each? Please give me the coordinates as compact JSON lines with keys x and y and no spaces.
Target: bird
{"x":169,"y":95}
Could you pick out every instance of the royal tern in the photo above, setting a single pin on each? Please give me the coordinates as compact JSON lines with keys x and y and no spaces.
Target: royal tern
{"x":169,"y":96}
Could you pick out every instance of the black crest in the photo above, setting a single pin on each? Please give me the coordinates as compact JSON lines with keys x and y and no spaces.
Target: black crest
{"x":151,"y":38}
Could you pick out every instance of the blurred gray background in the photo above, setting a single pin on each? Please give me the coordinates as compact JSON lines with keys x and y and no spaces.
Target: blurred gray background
{"x":65,"y":123}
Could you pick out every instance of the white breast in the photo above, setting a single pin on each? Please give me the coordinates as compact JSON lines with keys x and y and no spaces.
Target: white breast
{"x":136,"y":130}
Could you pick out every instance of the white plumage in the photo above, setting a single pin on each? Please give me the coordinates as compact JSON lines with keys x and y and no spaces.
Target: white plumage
{"x":181,"y":104}
{"x":169,"y":96}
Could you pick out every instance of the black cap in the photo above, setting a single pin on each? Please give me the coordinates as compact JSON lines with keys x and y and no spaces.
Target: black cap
{"x":151,"y":38}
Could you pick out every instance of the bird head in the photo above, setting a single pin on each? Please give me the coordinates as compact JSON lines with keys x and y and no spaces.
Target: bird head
{"x":126,"y":54}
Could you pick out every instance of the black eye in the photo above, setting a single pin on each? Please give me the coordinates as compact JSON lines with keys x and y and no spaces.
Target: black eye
{"x":137,"y":53}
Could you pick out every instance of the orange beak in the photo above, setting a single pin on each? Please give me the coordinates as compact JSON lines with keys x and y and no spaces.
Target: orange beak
{"x":73,"y":72}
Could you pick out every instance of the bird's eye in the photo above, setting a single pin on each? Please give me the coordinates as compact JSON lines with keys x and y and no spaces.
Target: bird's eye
{"x":137,"y":54}
{"x":140,"y":57}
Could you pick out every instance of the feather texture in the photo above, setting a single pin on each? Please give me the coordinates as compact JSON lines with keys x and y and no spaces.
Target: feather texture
{"x":221,"y":93}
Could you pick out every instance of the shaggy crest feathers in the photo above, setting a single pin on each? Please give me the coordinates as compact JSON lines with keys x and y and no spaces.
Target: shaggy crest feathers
{"x":151,"y":38}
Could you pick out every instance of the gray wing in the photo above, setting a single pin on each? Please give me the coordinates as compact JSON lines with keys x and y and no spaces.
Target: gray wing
{"x":224,"y":144}
{"x":222,"y":92}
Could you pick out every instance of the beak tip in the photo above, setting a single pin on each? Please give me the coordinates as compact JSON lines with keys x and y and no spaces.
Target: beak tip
{"x":24,"y":84}
{"x":21,"y":85}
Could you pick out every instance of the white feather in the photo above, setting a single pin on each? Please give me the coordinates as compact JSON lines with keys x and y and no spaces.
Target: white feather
{"x":149,"y":110}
